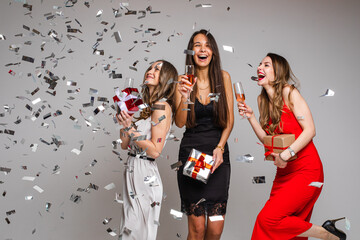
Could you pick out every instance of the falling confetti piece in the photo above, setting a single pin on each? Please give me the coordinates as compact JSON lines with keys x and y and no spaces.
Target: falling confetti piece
{"x":247,"y":158}
{"x":117,"y":36}
{"x":328,"y":93}
{"x":99,"y":13}
{"x":176,"y":214}
{"x":25,"y":178}
{"x":228,"y":48}
{"x":110,"y":186}
{"x":203,"y":5}
{"x":111,"y":232}
{"x":106,"y":221}
{"x":316,"y":184}
{"x":39,"y":189}
{"x":216,"y":218}
{"x":189,"y":52}
{"x":176,"y":165}
{"x":347,"y":224}
{"x":258,"y":179}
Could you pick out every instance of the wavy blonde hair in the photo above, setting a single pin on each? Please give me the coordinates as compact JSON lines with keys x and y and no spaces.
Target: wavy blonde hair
{"x":283,"y":77}
{"x":165,"y":89}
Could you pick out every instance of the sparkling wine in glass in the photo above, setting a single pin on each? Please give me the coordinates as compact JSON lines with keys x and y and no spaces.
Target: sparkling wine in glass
{"x":190,"y":72}
{"x":239,"y":93}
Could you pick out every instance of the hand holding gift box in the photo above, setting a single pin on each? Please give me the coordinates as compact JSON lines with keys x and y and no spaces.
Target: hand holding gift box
{"x":198,"y":166}
{"x":277,"y":144}
{"x":128,"y":100}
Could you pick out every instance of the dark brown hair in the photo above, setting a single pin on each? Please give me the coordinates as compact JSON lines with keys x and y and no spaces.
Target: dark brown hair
{"x":165,"y":89}
{"x":220,"y":108}
{"x":283,"y":77}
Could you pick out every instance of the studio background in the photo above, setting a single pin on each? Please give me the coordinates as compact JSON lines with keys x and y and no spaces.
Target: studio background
{"x":320,"y":39}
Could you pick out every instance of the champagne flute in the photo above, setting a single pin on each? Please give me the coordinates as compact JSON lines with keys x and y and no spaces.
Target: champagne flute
{"x":190,"y":72}
{"x":239,"y":94}
{"x":128,"y":83}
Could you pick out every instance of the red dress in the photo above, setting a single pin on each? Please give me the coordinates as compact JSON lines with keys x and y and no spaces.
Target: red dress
{"x":287,"y":212}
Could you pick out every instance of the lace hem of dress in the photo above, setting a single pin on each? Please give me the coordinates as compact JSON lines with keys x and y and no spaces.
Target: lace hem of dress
{"x":204,"y":209}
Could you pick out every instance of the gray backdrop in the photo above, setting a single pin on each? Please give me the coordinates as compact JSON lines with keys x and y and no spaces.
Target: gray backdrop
{"x":319,"y":38}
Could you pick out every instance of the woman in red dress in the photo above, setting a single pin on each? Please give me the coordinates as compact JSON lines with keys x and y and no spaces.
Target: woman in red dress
{"x":287,"y":213}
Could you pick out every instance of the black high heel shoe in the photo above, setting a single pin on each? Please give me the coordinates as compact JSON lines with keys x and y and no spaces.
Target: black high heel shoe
{"x":329,"y":225}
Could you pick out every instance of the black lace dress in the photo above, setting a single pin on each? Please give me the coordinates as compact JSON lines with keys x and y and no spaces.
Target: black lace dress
{"x":204,"y":137}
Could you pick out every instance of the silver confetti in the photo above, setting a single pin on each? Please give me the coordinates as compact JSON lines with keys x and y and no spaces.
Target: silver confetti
{"x":158,"y":107}
{"x":106,"y":221}
{"x":117,"y":36}
{"x":328,"y":93}
{"x":316,"y":184}
{"x":140,"y":138}
{"x":39,"y":189}
{"x":99,"y":13}
{"x":8,"y":213}
{"x":216,"y":218}
{"x":27,"y":198}
{"x":200,"y":201}
{"x":347,"y":224}
{"x":110,"y":186}
{"x":5,"y":170}
{"x":228,"y":48}
{"x":176,"y":165}
{"x":258,"y":179}
{"x":204,"y":5}
{"x":247,"y":158}
{"x":189,"y":52}
{"x":47,"y":206}
{"x":176,"y":214}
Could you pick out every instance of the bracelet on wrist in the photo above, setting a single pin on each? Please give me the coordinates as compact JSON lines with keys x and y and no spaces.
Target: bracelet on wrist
{"x":282,"y":158}
{"x":221,"y":148}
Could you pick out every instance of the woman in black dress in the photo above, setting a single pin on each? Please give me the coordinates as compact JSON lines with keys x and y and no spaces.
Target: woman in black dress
{"x":209,"y":122}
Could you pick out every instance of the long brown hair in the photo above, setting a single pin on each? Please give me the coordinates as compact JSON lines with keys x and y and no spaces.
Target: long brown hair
{"x":165,"y":89}
{"x":220,"y":108}
{"x":283,"y":77}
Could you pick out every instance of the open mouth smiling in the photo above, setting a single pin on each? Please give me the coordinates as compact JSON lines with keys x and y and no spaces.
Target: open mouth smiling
{"x":261,"y":76}
{"x":202,"y":57}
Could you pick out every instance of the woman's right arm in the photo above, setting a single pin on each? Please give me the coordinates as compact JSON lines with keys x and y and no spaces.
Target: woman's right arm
{"x":182,"y":94}
{"x":245,"y":109}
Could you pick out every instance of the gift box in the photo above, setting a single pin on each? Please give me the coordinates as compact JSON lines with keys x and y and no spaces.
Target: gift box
{"x":198,"y":166}
{"x":277,"y":144}
{"x":127,"y":100}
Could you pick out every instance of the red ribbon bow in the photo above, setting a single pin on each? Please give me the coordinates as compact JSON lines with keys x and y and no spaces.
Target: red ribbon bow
{"x":199,"y":164}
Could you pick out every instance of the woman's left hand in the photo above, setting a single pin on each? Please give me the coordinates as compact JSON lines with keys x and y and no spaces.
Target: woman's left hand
{"x":278,"y":161}
{"x":218,"y":158}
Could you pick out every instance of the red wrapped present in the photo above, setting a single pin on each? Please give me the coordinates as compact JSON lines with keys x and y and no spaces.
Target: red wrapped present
{"x":128,"y":101}
{"x":198,"y":166}
{"x":277,"y":144}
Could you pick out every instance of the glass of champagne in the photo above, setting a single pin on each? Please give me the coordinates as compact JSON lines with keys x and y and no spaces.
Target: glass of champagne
{"x":239,"y":94}
{"x":128,"y":83}
{"x":190,"y":72}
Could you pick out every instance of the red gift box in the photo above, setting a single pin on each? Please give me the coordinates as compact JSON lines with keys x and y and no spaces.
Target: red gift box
{"x":129,"y":100}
